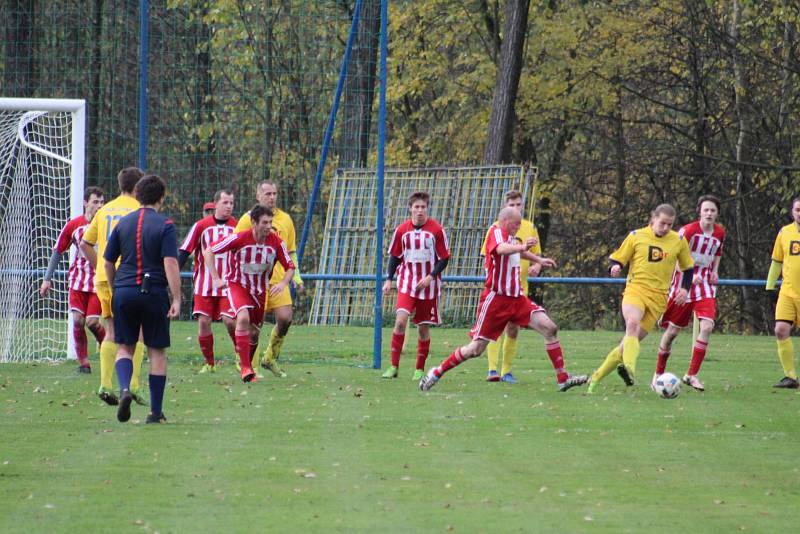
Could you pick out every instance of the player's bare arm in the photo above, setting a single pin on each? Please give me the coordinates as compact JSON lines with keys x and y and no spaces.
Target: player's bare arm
{"x":89,"y":252}
{"x":507,"y":249}
{"x":208,"y":257}
{"x":540,"y":260}
{"x":172,"y":271}
{"x":280,"y":286}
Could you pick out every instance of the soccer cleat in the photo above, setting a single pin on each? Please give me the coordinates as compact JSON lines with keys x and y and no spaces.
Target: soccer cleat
{"x":273,"y":367}
{"x":787,"y":383}
{"x":108,"y":397}
{"x":248,"y":375}
{"x":391,"y":372}
{"x":429,"y":380}
{"x":590,"y":389}
{"x":508,"y":378}
{"x":207,"y":368}
{"x":692,"y":380}
{"x":153,"y":418}
{"x":625,"y":374}
{"x":84,"y":369}
{"x":572,"y":381}
{"x":124,"y":409}
{"x":493,"y":376}
{"x":418,"y":374}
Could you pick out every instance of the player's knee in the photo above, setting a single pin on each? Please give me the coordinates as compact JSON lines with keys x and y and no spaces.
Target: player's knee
{"x":706,"y":327}
{"x":782,"y":330}
{"x":79,"y":321}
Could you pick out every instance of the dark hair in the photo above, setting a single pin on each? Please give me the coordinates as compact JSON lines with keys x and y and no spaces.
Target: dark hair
{"x":259,"y":211}
{"x":150,"y":190}
{"x":512,"y":193}
{"x":708,"y":198}
{"x":96,"y":191}
{"x":128,"y":177}
{"x":419,"y":195}
{"x":666,"y":209}
{"x":218,"y":194}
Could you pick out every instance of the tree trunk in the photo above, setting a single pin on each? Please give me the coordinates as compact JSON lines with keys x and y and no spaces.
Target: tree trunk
{"x":21,"y":77}
{"x":501,"y":122}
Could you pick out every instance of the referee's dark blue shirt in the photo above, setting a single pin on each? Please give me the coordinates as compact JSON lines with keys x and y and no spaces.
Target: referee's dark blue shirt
{"x":143,"y":238}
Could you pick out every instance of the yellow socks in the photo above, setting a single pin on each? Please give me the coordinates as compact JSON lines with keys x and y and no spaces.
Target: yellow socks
{"x":630,"y":353}
{"x":138,"y":357}
{"x":509,"y":353}
{"x":493,"y":354}
{"x":786,"y":356}
{"x":108,"y":355}
{"x":273,"y":351}
{"x":611,"y":362}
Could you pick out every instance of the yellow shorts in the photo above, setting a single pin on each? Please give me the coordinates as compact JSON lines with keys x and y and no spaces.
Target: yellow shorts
{"x":787,"y":309}
{"x":104,"y":296}
{"x":284,"y":298}
{"x":651,"y":302}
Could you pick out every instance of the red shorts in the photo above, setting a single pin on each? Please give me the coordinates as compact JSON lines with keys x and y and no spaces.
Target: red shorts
{"x":214,"y":307}
{"x":240,"y":298}
{"x":681,"y":315}
{"x":425,"y":311}
{"x":496,"y":311}
{"x":85,"y":302}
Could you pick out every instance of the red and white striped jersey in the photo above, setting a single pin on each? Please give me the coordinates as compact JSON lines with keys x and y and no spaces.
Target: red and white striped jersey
{"x":420,"y":248}
{"x":205,"y":232}
{"x":704,"y":248}
{"x":250,"y":263}
{"x":502,"y":272}
{"x":81,"y":273}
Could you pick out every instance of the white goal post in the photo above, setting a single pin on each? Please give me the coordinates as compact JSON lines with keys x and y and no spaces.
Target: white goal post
{"x":42,"y":152}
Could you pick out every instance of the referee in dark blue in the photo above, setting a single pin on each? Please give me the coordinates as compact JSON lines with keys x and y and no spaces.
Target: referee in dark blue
{"x":147,"y":243}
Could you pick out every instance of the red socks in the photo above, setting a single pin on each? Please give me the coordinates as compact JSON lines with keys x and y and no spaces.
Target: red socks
{"x":556,"y":356}
{"x":207,"y":347}
{"x":423,"y":347}
{"x":661,"y":364}
{"x":453,"y":360}
{"x":397,"y":348}
{"x":243,"y":347}
{"x":698,"y":354}
{"x":81,"y":345}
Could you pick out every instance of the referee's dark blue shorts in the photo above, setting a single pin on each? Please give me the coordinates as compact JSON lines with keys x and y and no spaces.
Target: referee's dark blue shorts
{"x":134,"y":310}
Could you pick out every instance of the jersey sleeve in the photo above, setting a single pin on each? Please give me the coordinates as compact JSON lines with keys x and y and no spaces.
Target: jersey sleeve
{"x":169,"y":241}
{"x":442,"y":245}
{"x":493,"y":238}
{"x":777,"y":249}
{"x":65,"y":238}
{"x":283,"y":256}
{"x":483,"y":245}
{"x":113,"y":248}
{"x":243,"y":224}
{"x":224,"y":245}
{"x":721,"y":242}
{"x":396,"y":246}
{"x":537,"y":248}
{"x":685,"y":260}
{"x":192,"y":239}
{"x":291,"y":236}
{"x":90,"y":235}
{"x":625,"y":251}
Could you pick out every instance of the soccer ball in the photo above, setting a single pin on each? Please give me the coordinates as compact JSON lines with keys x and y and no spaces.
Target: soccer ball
{"x":667,"y":385}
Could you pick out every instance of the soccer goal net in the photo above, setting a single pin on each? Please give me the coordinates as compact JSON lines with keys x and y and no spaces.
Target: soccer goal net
{"x":41,"y":187}
{"x":465,"y":200}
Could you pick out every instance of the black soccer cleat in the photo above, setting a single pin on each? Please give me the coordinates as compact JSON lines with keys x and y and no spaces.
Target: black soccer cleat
{"x":124,"y":410}
{"x":625,"y":375}
{"x":84,"y":370}
{"x":155,"y":419}
{"x":787,"y":383}
{"x":108,"y":397}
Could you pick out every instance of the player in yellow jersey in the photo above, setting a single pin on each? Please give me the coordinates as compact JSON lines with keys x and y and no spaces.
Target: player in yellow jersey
{"x":526,"y":230}
{"x":786,"y":261}
{"x":97,"y":234}
{"x":651,"y":254}
{"x":281,"y":304}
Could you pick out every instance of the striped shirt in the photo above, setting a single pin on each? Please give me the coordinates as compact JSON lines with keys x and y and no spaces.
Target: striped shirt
{"x":420,"y":249}
{"x":703,"y":248}
{"x":502,"y":272}
{"x":81,"y":273}
{"x":205,"y":232}
{"x":250,"y":264}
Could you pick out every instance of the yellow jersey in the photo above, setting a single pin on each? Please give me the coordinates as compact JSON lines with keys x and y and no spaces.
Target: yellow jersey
{"x":787,"y":252}
{"x":651,"y":259}
{"x":526,"y":230}
{"x":104,"y":221}
{"x":282,"y":225}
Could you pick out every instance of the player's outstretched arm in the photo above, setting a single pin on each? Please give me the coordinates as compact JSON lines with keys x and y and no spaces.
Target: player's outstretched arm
{"x":535,"y":258}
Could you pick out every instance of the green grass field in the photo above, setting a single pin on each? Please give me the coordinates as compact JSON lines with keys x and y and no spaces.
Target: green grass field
{"x":333,"y":447}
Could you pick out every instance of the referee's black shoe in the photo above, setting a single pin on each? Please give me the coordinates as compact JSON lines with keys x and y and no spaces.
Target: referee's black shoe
{"x":153,"y":418}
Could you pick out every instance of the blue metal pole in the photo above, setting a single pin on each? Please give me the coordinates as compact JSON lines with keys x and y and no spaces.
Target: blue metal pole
{"x":323,"y":157}
{"x":143,"y":62}
{"x":376,"y":349}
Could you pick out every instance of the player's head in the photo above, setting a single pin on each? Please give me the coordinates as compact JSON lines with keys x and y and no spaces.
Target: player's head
{"x":509,"y":219}
{"x":418,"y":207}
{"x":662,"y":219}
{"x":708,"y":207}
{"x":795,"y":211}
{"x":267,"y":193}
{"x":223,"y":204}
{"x":93,"y":200}
{"x":151,"y":190}
{"x":261,"y":218}
{"x":514,"y":200}
{"x":127,"y":179}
